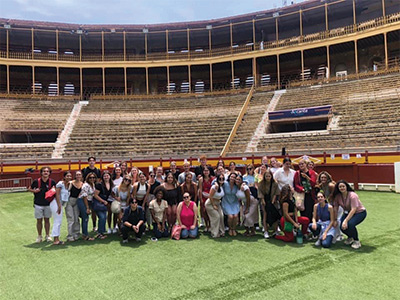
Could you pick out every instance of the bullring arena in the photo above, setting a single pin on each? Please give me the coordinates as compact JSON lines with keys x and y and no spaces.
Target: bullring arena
{"x":316,"y":81}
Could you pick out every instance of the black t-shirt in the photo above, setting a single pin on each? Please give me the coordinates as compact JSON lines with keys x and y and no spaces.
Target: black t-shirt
{"x":87,"y":170}
{"x":199,"y":171}
{"x":153,"y":187}
{"x":133,"y":217}
{"x":39,"y":198}
{"x":103,"y":192}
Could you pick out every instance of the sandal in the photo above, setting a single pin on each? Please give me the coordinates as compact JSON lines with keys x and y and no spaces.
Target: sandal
{"x":87,"y":238}
{"x":60,"y":243}
{"x":101,"y":236}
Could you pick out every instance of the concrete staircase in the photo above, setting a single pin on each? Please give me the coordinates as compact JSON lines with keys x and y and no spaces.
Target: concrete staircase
{"x":63,"y":138}
{"x":260,"y":130}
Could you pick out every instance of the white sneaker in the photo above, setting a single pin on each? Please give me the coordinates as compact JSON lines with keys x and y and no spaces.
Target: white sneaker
{"x":339,"y":237}
{"x":349,"y":241}
{"x":94,"y":229}
{"x":115,"y":230}
{"x":318,"y":243}
{"x":278,"y":230}
{"x":257,"y":228}
{"x":48,"y":238}
{"x":124,"y":241}
{"x":39,"y":239}
{"x":356,"y":245}
{"x":266,"y":235}
{"x":138,"y":239}
{"x":109,"y":231}
{"x":226,"y":228}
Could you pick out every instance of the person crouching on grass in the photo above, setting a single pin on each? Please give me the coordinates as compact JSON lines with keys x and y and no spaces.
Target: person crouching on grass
{"x":354,"y":212}
{"x":322,"y":222}
{"x":290,"y":220}
{"x":39,"y":187}
{"x":187,"y":217}
{"x":133,"y":221}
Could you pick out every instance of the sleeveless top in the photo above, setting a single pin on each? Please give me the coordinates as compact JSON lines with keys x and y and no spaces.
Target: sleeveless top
{"x":323,"y":213}
{"x":218,"y":195}
{"x":241,"y":194}
{"x":172,"y":196}
{"x":141,"y":191}
{"x":206,"y":187}
{"x":74,"y":193}
{"x":187,"y":214}
{"x":291,"y":205}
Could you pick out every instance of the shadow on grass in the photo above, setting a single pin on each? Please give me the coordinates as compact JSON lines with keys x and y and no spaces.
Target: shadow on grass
{"x":269,"y":278}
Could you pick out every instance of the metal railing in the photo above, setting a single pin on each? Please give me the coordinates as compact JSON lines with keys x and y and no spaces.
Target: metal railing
{"x":15,"y":183}
{"x":203,"y":53}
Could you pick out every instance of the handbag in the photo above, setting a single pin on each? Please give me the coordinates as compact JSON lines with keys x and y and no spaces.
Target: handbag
{"x":299,"y":200}
{"x":288,"y":227}
{"x":98,"y":206}
{"x":51,"y":193}
{"x":176,"y":232}
{"x":116,"y":207}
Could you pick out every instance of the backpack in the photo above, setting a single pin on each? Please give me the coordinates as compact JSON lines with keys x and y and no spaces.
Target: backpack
{"x":50,"y":193}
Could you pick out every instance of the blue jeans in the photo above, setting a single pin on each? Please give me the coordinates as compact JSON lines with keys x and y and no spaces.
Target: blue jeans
{"x":102,"y":221}
{"x":351,"y":230}
{"x":159,"y":234}
{"x":325,"y":243}
{"x":189,"y":232}
{"x":84,"y":216}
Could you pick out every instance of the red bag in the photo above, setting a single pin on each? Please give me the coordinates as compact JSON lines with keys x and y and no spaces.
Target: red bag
{"x":176,"y":232}
{"x":51,"y":193}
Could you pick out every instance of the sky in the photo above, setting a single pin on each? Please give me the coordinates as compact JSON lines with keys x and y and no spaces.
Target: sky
{"x":130,"y":11}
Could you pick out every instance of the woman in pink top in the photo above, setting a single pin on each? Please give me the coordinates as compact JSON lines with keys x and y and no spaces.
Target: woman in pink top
{"x":354,"y":212}
{"x":187,"y":217}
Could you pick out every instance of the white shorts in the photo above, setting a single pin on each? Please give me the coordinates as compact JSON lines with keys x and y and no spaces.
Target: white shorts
{"x":42,"y":212}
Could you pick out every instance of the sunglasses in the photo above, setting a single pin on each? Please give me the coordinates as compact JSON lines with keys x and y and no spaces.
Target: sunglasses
{"x":127,"y":179}
{"x":248,"y":169}
{"x":92,"y":177}
{"x":186,"y":197}
{"x":134,"y":202}
{"x":152,"y":175}
{"x":221,"y":179}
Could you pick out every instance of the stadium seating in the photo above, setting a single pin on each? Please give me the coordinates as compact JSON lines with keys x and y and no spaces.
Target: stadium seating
{"x":368,"y":114}
{"x":255,"y":111}
{"x":149,"y":127}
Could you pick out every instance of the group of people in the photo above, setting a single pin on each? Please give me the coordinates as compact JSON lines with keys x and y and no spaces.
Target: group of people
{"x":274,"y":196}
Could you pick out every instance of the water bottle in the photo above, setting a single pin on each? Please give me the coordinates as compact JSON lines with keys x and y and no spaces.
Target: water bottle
{"x":299,"y":236}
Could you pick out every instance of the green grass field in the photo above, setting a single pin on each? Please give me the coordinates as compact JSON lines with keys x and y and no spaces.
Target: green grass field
{"x":205,"y":268}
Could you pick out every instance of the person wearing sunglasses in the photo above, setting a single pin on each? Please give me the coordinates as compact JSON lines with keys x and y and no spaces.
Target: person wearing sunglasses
{"x":85,"y":203}
{"x":187,"y":217}
{"x":214,"y":209}
{"x":122,"y":194}
{"x":133,"y":222}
